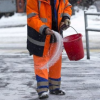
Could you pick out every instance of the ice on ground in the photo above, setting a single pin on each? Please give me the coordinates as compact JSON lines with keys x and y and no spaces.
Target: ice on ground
{"x":80,"y":79}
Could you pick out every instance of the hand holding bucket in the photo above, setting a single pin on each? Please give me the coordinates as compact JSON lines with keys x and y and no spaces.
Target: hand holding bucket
{"x":73,"y":46}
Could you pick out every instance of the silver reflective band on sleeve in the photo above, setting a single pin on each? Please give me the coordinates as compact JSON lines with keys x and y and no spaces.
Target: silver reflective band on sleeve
{"x":35,"y":42}
{"x":68,"y":5}
{"x":64,"y":1}
{"x":65,"y":14}
{"x":31,"y":15}
{"x":44,"y":20}
{"x":41,"y":28}
{"x":39,"y":2}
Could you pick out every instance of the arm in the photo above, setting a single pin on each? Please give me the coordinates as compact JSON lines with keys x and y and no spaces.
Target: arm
{"x":33,"y":19}
{"x":65,"y":23}
{"x":67,"y":10}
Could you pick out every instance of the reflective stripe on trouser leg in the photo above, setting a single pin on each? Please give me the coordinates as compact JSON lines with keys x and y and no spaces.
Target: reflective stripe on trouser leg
{"x":42,"y":84}
{"x":54,"y":84}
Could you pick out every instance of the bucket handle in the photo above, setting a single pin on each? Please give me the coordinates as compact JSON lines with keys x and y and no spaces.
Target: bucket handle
{"x":61,"y":29}
{"x":74,"y":29}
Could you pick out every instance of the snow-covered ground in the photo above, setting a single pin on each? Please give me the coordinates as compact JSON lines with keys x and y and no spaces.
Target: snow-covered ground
{"x":80,"y":79}
{"x":13,"y":32}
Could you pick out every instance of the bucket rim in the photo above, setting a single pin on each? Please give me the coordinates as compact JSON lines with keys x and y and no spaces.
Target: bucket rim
{"x":74,"y":39}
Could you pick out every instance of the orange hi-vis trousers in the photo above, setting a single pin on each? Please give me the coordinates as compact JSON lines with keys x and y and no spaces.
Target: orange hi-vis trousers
{"x":47,"y":78}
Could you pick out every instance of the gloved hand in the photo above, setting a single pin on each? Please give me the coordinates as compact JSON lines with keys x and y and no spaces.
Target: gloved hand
{"x":64,"y":25}
{"x":48,"y":31}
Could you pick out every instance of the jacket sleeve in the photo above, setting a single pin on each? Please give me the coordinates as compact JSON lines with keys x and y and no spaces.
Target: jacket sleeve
{"x":33,"y":19}
{"x":67,"y":10}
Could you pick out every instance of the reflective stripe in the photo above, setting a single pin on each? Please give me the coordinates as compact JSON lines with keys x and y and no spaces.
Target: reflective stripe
{"x":42,"y":90}
{"x":35,"y":41}
{"x":44,"y":20}
{"x":64,"y":1}
{"x":54,"y":87}
{"x":54,"y":82}
{"x":41,"y":28}
{"x":39,"y":2}
{"x":68,"y":5}
{"x":42,"y":84}
{"x":31,"y":15}
{"x":65,"y":14}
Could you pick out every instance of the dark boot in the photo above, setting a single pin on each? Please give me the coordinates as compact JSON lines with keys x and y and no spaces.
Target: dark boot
{"x":57,"y":92}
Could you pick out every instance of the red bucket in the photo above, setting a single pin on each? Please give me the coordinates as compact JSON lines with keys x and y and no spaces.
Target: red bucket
{"x":74,"y":47}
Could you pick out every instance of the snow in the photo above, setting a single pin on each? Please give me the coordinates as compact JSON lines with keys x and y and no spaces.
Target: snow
{"x":17,"y":19}
{"x":13,"y":36}
{"x":78,"y":23}
{"x":80,"y":79}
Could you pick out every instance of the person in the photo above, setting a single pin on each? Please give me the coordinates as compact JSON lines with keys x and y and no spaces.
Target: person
{"x":43,"y":16}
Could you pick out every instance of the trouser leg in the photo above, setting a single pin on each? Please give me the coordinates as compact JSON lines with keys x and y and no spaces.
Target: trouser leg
{"x":41,"y":74}
{"x":55,"y":75}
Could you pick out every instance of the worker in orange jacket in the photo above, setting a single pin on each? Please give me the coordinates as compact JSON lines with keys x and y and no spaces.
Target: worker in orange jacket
{"x":43,"y":16}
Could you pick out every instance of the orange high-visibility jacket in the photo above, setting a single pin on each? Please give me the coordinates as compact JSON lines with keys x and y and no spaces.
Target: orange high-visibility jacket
{"x":39,"y":16}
